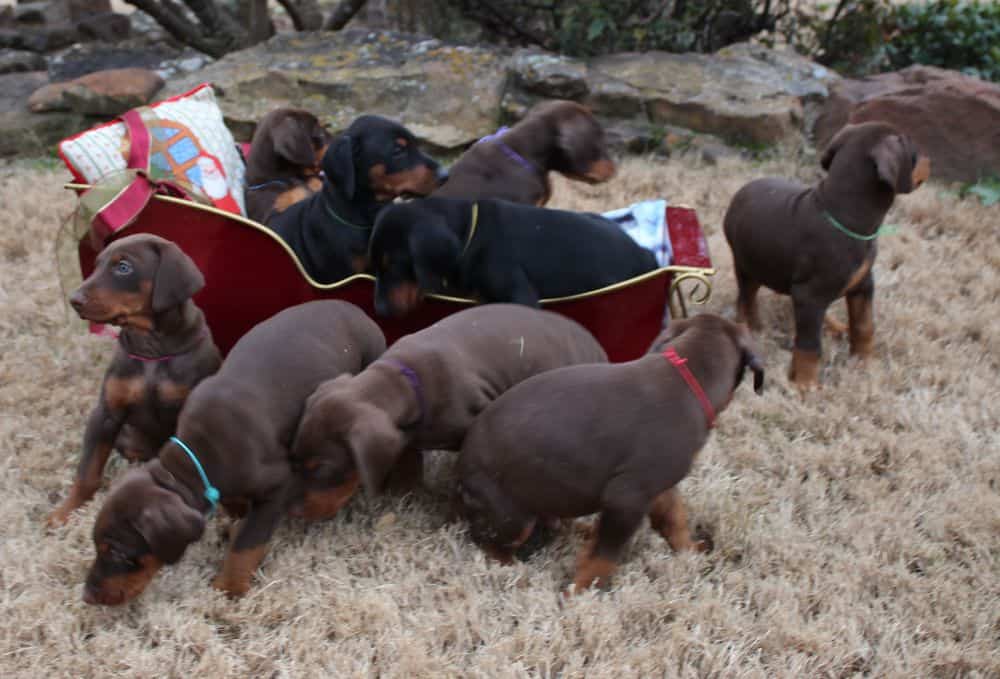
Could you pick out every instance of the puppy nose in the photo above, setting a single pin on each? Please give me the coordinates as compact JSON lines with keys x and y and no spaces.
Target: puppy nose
{"x":77,"y":300}
{"x":442,"y":175}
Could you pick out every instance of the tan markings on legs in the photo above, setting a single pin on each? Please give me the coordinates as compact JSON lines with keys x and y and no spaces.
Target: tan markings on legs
{"x":668,"y":516}
{"x":83,"y":488}
{"x":804,"y":372}
{"x":592,"y":571}
{"x":237,"y":570}
{"x":859,"y":311}
{"x":921,"y":171}
{"x":324,"y":504}
{"x":857,"y":276}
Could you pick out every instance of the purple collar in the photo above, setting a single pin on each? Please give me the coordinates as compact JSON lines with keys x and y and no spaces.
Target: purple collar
{"x":418,"y":389}
{"x":508,"y":151}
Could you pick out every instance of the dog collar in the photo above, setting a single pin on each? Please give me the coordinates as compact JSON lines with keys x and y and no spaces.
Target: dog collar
{"x":329,"y":211}
{"x":211,"y":492}
{"x":681,"y":365}
{"x":264,"y":185}
{"x":418,"y":389}
{"x":508,"y":151}
{"x":473,"y":221}
{"x":885,"y":229}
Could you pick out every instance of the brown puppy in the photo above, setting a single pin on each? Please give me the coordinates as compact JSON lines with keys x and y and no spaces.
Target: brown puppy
{"x":555,"y":136}
{"x":817,"y":244}
{"x":238,"y":426}
{"x":144,"y":284}
{"x":283,"y":165}
{"x":423,"y":393}
{"x":614,"y":439}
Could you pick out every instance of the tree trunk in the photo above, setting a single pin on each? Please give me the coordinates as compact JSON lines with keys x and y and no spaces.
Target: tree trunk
{"x":342,"y":13}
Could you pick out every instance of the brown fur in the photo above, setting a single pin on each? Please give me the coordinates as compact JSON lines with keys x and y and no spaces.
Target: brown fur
{"x":284,"y":161}
{"x":152,"y":304}
{"x":782,"y":236}
{"x":555,"y":136}
{"x":614,"y":439}
{"x":365,"y":424}
{"x":240,"y":425}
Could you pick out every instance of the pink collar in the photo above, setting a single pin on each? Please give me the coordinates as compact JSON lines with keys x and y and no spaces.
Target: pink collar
{"x":681,"y":365}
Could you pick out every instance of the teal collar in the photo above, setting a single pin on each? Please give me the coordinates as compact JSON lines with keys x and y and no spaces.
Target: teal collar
{"x":211,"y":492}
{"x":884,"y":229}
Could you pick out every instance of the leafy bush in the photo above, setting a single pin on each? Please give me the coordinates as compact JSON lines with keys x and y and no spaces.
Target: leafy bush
{"x":947,"y":33}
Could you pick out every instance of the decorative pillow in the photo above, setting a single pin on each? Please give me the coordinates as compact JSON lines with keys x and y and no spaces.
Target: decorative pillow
{"x":189,"y":144}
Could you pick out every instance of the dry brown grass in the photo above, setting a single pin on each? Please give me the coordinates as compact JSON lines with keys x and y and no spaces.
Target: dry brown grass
{"x":857,"y":531}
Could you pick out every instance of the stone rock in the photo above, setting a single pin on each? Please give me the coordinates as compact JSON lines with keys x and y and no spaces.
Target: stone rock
{"x":22,"y":132}
{"x":448,"y":95}
{"x":954,"y":118}
{"x":107,"y":27}
{"x":78,"y":9}
{"x":745,"y":94}
{"x":104,"y":93}
{"x":40,"y":39}
{"x":82,"y":59}
{"x":19,"y":61}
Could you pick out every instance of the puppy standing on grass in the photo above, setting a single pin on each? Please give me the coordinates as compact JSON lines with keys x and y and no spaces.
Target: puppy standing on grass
{"x":231,"y":447}
{"x":144,"y":284}
{"x":423,"y":393}
{"x":818,"y":244}
{"x":614,"y":439}
{"x":555,"y":136}
{"x":283,"y":165}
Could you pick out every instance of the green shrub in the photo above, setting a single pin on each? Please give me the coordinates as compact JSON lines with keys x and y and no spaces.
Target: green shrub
{"x":959,"y":35}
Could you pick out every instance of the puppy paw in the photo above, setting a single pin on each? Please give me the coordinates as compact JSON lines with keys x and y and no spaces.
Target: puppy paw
{"x":232,"y":588}
{"x":57,"y":518}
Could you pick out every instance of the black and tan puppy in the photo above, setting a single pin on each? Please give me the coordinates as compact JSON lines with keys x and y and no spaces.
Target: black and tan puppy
{"x":423,"y":393}
{"x":239,"y":426}
{"x":817,"y":243}
{"x":614,"y":439}
{"x":497,"y":251}
{"x":283,"y":166}
{"x":555,"y":136}
{"x":372,"y":163}
{"x":143,"y":284}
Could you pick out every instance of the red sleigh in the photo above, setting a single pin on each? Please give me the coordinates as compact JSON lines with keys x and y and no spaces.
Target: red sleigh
{"x":251,"y":274}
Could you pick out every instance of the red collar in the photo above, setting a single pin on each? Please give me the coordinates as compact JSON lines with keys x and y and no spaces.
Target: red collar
{"x":681,"y":365}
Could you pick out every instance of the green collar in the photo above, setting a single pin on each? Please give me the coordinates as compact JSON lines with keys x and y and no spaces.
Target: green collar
{"x":329,"y":211}
{"x":884,"y":229}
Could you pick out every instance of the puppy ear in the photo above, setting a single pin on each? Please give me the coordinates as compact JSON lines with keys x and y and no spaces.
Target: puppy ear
{"x":435,"y":252}
{"x":338,"y":164}
{"x":177,"y":278}
{"x":893,"y":165}
{"x":575,"y":137}
{"x":293,"y":141}
{"x":168,"y":525}
{"x":750,"y":359}
{"x":833,"y":147}
{"x":376,"y":444}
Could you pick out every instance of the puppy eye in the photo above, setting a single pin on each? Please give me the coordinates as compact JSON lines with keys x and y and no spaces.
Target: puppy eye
{"x":398,"y":151}
{"x":121,"y":558}
{"x":123,"y":268}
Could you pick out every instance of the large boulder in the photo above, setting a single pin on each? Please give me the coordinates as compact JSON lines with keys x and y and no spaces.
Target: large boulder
{"x":23,"y":132}
{"x":451,"y":95}
{"x":84,"y":58}
{"x":448,"y":95}
{"x":104,"y":93}
{"x":954,"y":118}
